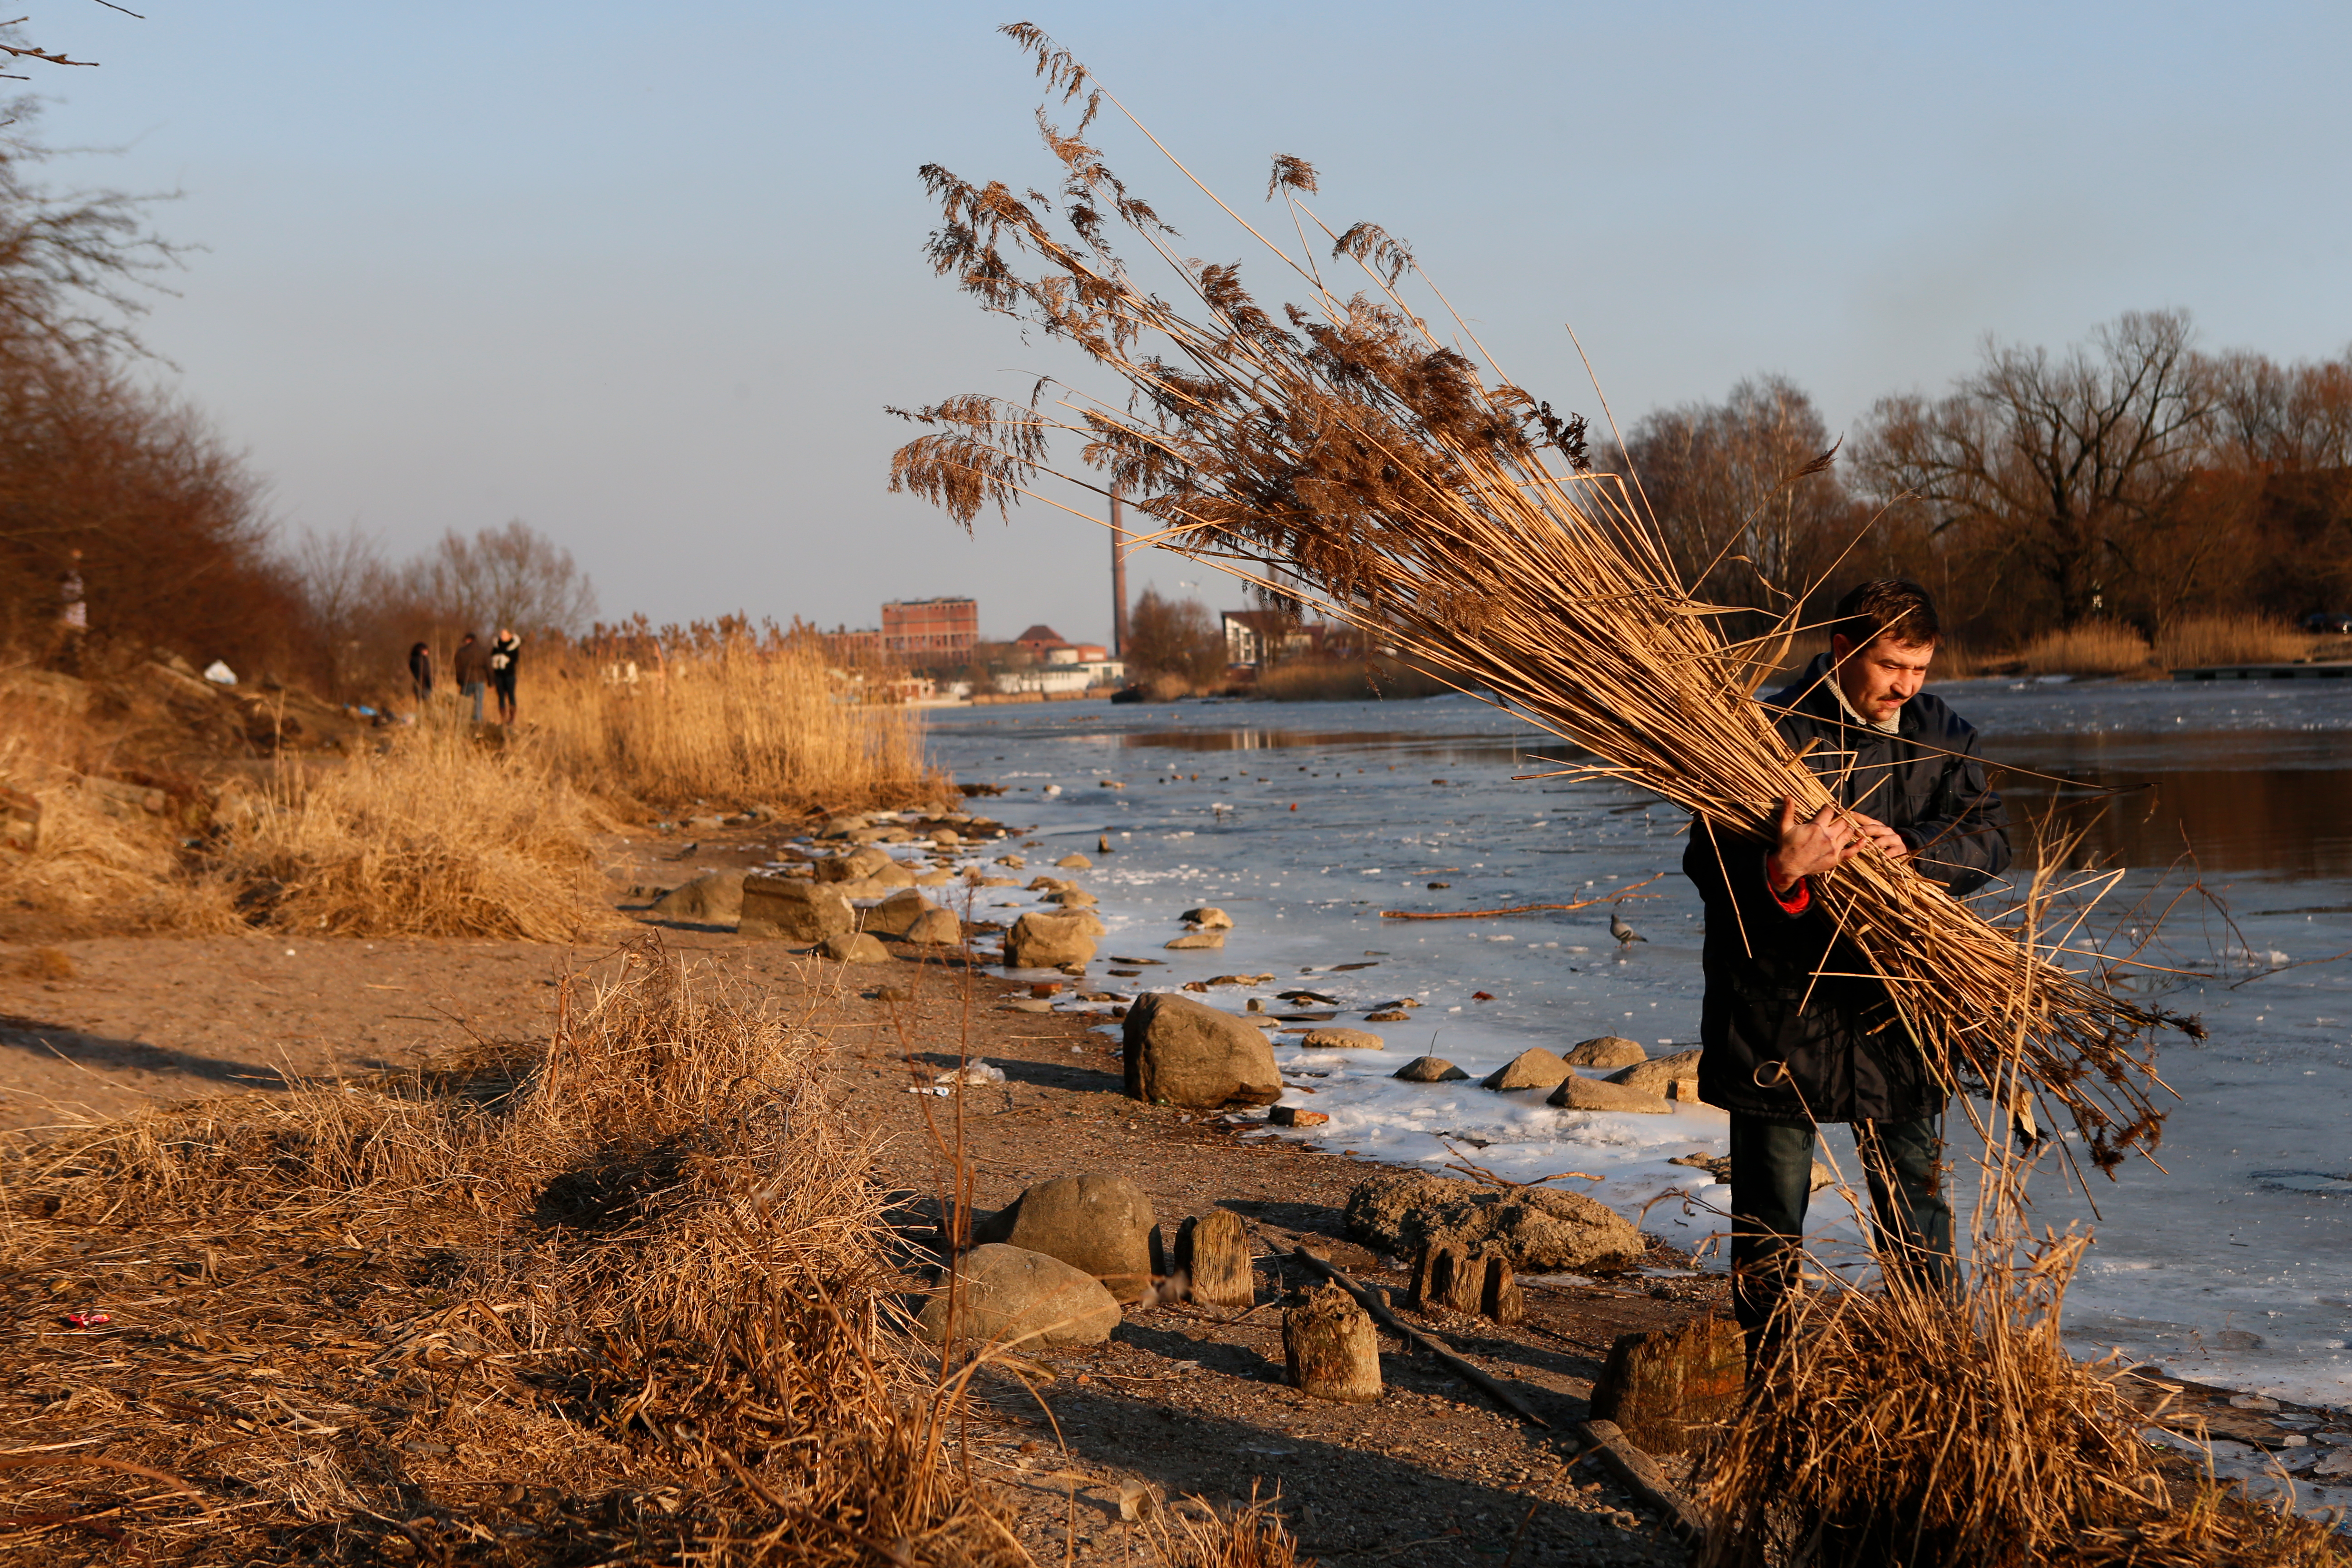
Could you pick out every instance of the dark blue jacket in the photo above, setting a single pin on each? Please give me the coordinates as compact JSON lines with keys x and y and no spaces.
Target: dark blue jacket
{"x":1784,"y":988}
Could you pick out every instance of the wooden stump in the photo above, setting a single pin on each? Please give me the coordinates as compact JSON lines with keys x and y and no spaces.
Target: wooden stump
{"x":1499,"y":1291}
{"x":1446,"y":1279}
{"x":1330,"y":1349}
{"x":1215,"y":1251}
{"x":1159,"y":1251}
{"x":1662,"y":1386}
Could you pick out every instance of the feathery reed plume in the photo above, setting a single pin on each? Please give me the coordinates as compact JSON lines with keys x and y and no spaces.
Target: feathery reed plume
{"x":1348,"y":458}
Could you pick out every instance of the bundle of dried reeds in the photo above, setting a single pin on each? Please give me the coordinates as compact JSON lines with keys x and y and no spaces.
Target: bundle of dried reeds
{"x":1920,"y":1429}
{"x":1348,"y":459}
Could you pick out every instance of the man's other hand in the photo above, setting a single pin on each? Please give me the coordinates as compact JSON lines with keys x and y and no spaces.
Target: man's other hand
{"x":1808,"y":846}
{"x":1886,"y":837}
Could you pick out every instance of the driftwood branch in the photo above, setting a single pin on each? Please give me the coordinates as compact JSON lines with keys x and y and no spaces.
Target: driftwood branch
{"x":1639,"y":1474}
{"x":1419,"y":1340}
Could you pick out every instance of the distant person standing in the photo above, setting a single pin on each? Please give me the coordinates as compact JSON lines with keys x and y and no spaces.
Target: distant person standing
{"x":73,"y":615}
{"x":420,"y":673}
{"x":505,"y":655}
{"x":473,"y":662}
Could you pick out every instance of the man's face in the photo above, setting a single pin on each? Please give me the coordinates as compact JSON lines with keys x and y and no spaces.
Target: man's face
{"x":1883,"y":677}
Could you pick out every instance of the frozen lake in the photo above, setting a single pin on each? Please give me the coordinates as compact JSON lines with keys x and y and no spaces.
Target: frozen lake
{"x":1307,"y":821}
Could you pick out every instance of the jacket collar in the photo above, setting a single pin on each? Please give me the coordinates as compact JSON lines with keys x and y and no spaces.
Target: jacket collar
{"x":1815,"y":694}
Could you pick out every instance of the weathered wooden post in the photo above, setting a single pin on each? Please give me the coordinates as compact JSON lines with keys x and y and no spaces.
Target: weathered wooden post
{"x":1213,"y":1248}
{"x":1331,"y":1348}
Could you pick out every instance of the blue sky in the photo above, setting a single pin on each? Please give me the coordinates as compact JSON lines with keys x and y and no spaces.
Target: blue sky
{"x":645,"y":277}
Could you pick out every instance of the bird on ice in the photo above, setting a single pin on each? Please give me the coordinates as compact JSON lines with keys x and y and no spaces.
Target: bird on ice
{"x":1626,"y":935}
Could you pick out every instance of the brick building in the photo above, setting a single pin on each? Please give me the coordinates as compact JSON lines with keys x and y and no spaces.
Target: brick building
{"x":928,"y":628}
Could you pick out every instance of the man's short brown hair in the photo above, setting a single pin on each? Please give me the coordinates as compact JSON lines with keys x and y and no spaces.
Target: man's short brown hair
{"x":1887,"y":606}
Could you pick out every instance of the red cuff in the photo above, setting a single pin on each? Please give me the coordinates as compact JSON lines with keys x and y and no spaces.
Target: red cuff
{"x":1797,"y":902}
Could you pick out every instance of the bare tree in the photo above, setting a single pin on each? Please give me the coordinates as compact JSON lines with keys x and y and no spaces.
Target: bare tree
{"x":1748,"y":507}
{"x":1174,"y":636}
{"x":2064,"y":471}
{"x":510,"y":576}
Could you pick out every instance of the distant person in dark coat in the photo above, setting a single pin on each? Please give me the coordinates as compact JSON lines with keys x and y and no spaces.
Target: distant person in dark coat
{"x":473,"y":669}
{"x":1796,"y":1030}
{"x":420,"y":673}
{"x":505,"y":655}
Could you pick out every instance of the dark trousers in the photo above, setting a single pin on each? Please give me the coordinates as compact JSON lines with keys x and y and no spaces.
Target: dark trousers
{"x":1772,"y":1186}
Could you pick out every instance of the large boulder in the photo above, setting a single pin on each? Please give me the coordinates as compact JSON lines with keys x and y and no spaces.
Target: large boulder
{"x":1099,"y":1224}
{"x":1181,"y":1052}
{"x":1652,"y":1076}
{"x":793,"y":908}
{"x":895,"y":915}
{"x":1048,"y":941}
{"x":1539,"y":1229}
{"x":1535,"y":1069}
{"x":1606,"y":1051}
{"x":1009,"y":1296}
{"x":1579,"y":1093}
{"x":716,"y":896}
{"x":1429,"y":1070}
{"x":856,"y":866}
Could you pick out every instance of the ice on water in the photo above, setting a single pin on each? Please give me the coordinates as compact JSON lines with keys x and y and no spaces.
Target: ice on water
{"x":2236,"y":1268}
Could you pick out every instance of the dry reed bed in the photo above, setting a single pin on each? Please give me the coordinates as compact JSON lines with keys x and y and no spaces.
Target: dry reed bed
{"x":439,"y":834}
{"x":1356,"y":463}
{"x":625,"y":1300}
{"x":732,"y":716}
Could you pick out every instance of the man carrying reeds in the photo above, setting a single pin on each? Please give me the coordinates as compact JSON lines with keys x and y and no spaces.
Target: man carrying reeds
{"x":1796,"y":1032}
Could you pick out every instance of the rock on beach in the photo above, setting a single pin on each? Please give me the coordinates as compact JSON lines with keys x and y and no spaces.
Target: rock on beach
{"x":1606,"y":1051}
{"x":1209,"y":918}
{"x":1049,"y":941}
{"x":1099,"y":1224}
{"x":1533,"y":1068}
{"x":1579,"y":1093}
{"x":898,"y":914}
{"x":1652,"y":1076}
{"x":1342,"y":1040}
{"x":792,"y":909}
{"x":854,"y":947}
{"x":1179,"y":1052}
{"x":1430,"y":1069}
{"x":1193,"y":940}
{"x":1008,"y":1295}
{"x":1539,"y":1228}
{"x":716,"y":896}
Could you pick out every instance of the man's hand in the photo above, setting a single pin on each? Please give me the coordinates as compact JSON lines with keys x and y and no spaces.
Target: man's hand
{"x":1886,"y":837}
{"x":1806,"y":847}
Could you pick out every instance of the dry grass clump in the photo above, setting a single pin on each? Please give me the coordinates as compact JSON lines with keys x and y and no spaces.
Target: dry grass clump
{"x":1901,"y":1428}
{"x":438,"y":835}
{"x":95,"y":863}
{"x":624,"y":1301}
{"x":2095,"y":647}
{"x":2230,"y":640}
{"x":729,"y":714}
{"x":1340,"y":454}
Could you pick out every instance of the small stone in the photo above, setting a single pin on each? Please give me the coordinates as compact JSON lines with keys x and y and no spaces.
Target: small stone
{"x":1194,"y":940}
{"x":718,"y":896}
{"x":1430,"y":1069}
{"x":1016,"y":861}
{"x":1389,"y":1016}
{"x":891,"y":993}
{"x":1071,"y":898}
{"x":1533,"y":1068}
{"x":1209,"y":916}
{"x":1293,"y":1116}
{"x":1075,"y":862}
{"x":1342,"y":1040}
{"x":1579,"y":1093}
{"x":1606,"y":1051}
{"x":854,"y":947}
